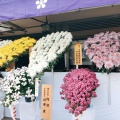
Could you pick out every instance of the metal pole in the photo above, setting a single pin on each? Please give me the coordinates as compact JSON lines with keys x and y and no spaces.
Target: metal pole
{"x":66,"y":56}
{"x":109,"y":90}
{"x":76,"y":66}
{"x":52,"y":79}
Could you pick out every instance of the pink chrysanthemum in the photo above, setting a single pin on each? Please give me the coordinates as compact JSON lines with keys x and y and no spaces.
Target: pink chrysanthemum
{"x":78,"y":88}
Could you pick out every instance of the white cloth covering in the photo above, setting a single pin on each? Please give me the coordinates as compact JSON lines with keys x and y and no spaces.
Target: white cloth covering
{"x":2,"y":94}
{"x":1,"y":112}
{"x":29,"y":110}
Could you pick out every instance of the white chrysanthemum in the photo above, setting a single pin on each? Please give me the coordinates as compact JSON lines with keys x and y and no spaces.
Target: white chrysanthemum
{"x":52,"y":34}
{"x":34,"y":48}
{"x":32,"y":73}
{"x":47,"y":50}
{"x":44,"y":64}
{"x":69,"y":35}
{"x":44,"y":53}
{"x":51,"y":57}
{"x":39,"y":68}
{"x":33,"y":55}
{"x":59,"y":52}
{"x":56,"y":34}
{"x":4,"y":42}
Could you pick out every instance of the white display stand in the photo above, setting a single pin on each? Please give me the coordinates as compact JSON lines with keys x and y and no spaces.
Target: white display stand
{"x":89,"y":114}
{"x":29,"y":110}
{"x":2,"y":94}
{"x":1,"y":112}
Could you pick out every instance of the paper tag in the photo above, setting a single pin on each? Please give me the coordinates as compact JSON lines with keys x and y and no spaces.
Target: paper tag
{"x":36,"y":87}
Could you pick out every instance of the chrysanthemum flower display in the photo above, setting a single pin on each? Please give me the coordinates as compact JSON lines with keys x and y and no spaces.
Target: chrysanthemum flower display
{"x":104,"y":50}
{"x":11,"y":51}
{"x":78,"y":88}
{"x":17,"y":83}
{"x":4,"y":42}
{"x":47,"y":50}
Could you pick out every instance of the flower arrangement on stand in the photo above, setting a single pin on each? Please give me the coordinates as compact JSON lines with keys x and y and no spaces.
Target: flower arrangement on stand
{"x":104,"y":50}
{"x":47,"y":50}
{"x":18,"y":83}
{"x":11,"y":51}
{"x":21,"y":82}
{"x":78,"y":88}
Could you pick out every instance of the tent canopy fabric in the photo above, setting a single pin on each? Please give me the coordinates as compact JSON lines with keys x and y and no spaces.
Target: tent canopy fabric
{"x":17,"y":9}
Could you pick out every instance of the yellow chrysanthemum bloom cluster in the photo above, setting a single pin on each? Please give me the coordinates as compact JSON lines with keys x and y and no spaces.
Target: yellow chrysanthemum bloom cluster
{"x":10,"y":52}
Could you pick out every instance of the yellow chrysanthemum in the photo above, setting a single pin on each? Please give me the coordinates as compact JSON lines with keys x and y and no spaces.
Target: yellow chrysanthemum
{"x":10,"y":58}
{"x":3,"y":61}
{"x":1,"y":64}
{"x":15,"y":49}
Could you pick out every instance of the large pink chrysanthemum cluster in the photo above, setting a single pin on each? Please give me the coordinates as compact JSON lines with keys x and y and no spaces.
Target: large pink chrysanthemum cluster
{"x":78,"y":88}
{"x":104,"y":50}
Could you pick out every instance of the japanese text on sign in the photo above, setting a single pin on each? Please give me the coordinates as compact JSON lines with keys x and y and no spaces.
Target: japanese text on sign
{"x":46,"y":102}
{"x":78,"y":54}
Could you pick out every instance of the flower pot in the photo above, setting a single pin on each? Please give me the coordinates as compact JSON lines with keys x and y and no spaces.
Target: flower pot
{"x":89,"y":114}
{"x":28,"y":99}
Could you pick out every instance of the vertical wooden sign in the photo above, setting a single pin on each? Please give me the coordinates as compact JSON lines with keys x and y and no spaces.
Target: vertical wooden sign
{"x":46,"y":106}
{"x":30,"y":50}
{"x":78,"y":54}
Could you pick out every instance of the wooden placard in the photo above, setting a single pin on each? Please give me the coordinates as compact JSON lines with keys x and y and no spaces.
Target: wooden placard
{"x":10,"y":67}
{"x":78,"y":54}
{"x":46,"y":106}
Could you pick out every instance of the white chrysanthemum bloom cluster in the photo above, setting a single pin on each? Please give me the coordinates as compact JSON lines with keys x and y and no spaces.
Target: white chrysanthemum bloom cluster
{"x":16,"y":84}
{"x":8,"y":84}
{"x":29,"y":94}
{"x":47,"y":49}
{"x":4,"y":42}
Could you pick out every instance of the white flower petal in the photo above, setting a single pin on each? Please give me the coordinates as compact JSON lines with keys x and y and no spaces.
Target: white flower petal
{"x":43,"y":5}
{"x":44,"y":1}
{"x":38,"y":6}
{"x":37,"y":2}
{"x":41,"y":2}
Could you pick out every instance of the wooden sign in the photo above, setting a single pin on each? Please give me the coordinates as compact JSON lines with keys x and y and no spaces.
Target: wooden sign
{"x":30,"y":50}
{"x":78,"y":54}
{"x":46,"y":106}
